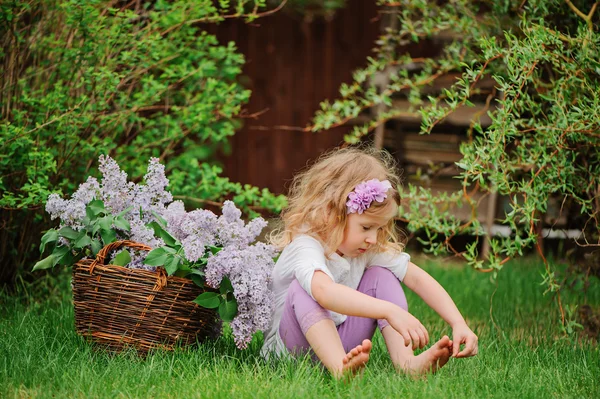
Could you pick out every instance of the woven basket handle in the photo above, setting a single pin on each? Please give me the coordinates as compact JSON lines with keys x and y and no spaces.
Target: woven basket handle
{"x":101,"y":257}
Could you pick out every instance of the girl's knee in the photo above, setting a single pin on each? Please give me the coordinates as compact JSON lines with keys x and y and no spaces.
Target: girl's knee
{"x":381,"y":283}
{"x":379,"y":272}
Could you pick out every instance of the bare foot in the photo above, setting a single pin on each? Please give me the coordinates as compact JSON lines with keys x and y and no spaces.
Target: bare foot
{"x":432,"y":359}
{"x":356,"y":359}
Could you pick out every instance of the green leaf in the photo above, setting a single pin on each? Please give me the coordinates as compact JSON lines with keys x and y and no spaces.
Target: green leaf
{"x":159,"y":231}
{"x":64,"y":256}
{"x":68,"y":233}
{"x":50,"y":237}
{"x":225,"y":286}
{"x":160,"y":219}
{"x":198,"y":280}
{"x":122,"y":259}
{"x":124,"y":211}
{"x":89,"y":214}
{"x":171,"y":264}
{"x":46,"y":263}
{"x":108,"y":236}
{"x":96,"y":207}
{"x":181,"y":273}
{"x":121,"y":223}
{"x":228,"y":310}
{"x":96,"y":246}
{"x":82,"y":241}
{"x":156,"y":257}
{"x":60,"y":251}
{"x":106,"y":222}
{"x":183,"y":266}
{"x":170,"y":250}
{"x":96,"y":227}
{"x":214,"y":250}
{"x":208,"y":300}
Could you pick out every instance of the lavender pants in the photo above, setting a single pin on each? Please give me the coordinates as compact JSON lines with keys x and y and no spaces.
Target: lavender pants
{"x":301,"y":312}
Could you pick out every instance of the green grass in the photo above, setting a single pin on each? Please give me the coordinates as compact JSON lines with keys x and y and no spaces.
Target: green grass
{"x":523,"y":355}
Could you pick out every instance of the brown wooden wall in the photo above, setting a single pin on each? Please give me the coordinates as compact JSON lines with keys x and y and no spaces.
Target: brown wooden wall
{"x":291,"y":66}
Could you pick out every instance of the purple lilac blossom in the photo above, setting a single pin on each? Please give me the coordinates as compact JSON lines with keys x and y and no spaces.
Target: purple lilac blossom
{"x":196,"y":232}
{"x":174,"y":214}
{"x":231,"y":231}
{"x":143,"y":234}
{"x":365,"y":193}
{"x":72,"y":211}
{"x":152,"y":196}
{"x":249,"y":270}
{"x":115,"y":189}
{"x":117,"y":194}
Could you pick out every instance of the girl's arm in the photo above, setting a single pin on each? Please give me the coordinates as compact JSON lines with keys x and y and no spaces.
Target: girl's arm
{"x":345,"y":300}
{"x":438,"y":299}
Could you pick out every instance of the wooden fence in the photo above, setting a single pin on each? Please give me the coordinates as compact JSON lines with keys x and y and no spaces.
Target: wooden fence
{"x":291,"y":66}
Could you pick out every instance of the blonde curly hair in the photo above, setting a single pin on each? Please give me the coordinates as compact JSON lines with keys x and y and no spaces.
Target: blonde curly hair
{"x":318,"y":195}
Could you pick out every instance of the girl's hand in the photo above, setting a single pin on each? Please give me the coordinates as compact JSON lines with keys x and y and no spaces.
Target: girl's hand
{"x":462,"y":334}
{"x":408,"y":326}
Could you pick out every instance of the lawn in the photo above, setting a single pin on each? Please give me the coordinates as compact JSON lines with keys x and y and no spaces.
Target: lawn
{"x":522,"y":352}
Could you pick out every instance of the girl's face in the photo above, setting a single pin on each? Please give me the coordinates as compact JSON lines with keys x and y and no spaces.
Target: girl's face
{"x":360,"y":233}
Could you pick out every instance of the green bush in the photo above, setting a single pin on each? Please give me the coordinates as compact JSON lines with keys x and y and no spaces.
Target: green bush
{"x":83,"y":78}
{"x":544,"y":56}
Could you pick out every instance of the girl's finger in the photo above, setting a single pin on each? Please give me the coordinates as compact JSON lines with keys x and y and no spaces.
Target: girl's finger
{"x":416,"y":340}
{"x":422,"y":338}
{"x":456,"y":346}
{"x":470,"y":345}
{"x":426,"y":333}
{"x":406,"y":336}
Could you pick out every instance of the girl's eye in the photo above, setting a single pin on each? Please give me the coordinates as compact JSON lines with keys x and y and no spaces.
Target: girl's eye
{"x":365,"y":228}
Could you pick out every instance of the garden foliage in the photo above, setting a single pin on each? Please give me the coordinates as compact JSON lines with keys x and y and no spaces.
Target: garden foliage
{"x":133,"y":80}
{"x":544,"y":56}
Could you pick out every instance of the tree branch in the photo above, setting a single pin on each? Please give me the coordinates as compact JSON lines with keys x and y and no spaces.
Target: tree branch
{"x":586,"y":18}
{"x":576,"y":10}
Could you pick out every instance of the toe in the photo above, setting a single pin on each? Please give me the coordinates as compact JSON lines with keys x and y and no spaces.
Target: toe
{"x":366,"y":344}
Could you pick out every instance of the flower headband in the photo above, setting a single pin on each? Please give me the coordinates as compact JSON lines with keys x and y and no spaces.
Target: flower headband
{"x":365,"y":193}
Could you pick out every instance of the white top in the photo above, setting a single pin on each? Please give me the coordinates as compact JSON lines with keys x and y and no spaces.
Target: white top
{"x":305,"y":255}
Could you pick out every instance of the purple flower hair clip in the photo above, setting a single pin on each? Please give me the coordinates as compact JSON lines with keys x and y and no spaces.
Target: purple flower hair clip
{"x":365,"y":193}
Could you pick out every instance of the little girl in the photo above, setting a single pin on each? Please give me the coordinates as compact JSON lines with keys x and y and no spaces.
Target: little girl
{"x":338,"y":276}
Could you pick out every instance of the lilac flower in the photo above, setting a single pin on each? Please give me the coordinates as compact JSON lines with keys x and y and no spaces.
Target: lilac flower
{"x":196,"y":231}
{"x":141,"y":233}
{"x":72,"y":211}
{"x":88,"y":191}
{"x":56,"y":206}
{"x":231,"y":231}
{"x":232,"y":215}
{"x":156,"y":183}
{"x":115,"y":189}
{"x":174,"y":214}
{"x":249,"y":270}
{"x":365,"y":193}
{"x":152,"y":196}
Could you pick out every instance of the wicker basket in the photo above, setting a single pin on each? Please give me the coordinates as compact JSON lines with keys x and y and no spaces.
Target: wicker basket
{"x":118,"y":307}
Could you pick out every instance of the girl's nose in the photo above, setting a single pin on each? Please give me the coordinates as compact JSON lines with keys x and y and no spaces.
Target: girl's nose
{"x":371,"y":238}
